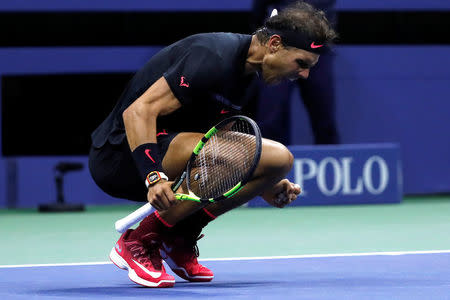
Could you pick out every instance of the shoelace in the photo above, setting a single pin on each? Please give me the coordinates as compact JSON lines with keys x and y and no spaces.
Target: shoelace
{"x":196,"y":251}
{"x":192,"y":244}
{"x":152,"y":243}
{"x":139,"y":252}
{"x":147,"y":252}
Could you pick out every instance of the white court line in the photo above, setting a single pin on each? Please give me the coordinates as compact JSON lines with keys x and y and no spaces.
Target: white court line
{"x":329,"y":255}
{"x":57,"y":265}
{"x":247,"y":258}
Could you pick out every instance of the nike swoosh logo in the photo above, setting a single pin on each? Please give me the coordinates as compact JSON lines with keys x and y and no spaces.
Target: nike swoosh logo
{"x":118,"y":248}
{"x":223,"y":111}
{"x":162,"y":133}
{"x":147,"y":152}
{"x":314,"y":46}
{"x":153,"y":274}
{"x":182,"y":83}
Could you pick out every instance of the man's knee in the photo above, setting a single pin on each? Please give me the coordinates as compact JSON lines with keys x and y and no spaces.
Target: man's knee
{"x":286,"y":159}
{"x":276,"y":159}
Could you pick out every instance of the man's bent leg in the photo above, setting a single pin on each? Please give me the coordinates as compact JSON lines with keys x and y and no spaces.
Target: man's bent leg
{"x":179,"y":246}
{"x":179,"y":242}
{"x":276,"y":161}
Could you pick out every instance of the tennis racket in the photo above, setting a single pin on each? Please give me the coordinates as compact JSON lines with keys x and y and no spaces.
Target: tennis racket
{"x":222,"y":162}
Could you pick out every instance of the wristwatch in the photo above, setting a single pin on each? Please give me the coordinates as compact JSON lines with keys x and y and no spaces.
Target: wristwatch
{"x":153,"y":177}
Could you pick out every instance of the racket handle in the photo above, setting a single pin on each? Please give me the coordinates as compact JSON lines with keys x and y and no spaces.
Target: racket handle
{"x":138,"y":215}
{"x":177,"y":183}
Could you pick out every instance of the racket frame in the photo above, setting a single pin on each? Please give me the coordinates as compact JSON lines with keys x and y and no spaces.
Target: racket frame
{"x":236,"y":188}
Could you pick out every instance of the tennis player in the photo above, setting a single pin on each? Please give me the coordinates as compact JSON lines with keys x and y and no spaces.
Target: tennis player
{"x":164,"y":111}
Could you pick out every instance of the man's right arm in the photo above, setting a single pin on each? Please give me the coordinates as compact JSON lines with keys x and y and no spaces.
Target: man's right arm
{"x":140,"y":117}
{"x":140,"y":126}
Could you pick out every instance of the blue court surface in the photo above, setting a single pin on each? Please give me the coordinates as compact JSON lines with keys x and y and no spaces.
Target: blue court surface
{"x":419,"y":275}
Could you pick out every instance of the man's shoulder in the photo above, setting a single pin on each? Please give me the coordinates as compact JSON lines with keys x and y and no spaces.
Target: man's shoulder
{"x":216,"y":37}
{"x":216,"y":42}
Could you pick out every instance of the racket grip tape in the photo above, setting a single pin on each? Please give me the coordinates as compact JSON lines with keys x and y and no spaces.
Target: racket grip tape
{"x":138,"y":215}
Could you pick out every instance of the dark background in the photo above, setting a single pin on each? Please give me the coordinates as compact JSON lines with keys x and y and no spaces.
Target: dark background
{"x":55,"y":114}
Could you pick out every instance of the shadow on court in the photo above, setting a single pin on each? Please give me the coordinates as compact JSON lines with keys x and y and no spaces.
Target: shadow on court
{"x":181,"y":289}
{"x":124,"y":291}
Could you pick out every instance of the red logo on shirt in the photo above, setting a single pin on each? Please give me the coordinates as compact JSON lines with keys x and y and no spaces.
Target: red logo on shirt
{"x":182,"y":83}
{"x":223,"y":111}
{"x":164,"y":132}
{"x":147,"y":152}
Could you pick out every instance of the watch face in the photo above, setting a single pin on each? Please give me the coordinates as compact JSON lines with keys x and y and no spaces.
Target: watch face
{"x":153,"y":177}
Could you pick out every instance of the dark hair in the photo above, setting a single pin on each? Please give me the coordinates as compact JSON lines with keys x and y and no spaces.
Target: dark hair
{"x":299,"y":17}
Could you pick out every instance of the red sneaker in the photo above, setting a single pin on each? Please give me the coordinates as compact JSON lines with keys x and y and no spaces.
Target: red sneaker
{"x":143,"y":262}
{"x":181,"y":253}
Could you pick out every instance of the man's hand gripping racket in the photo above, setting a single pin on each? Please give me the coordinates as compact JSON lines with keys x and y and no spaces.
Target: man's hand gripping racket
{"x":220,"y":165}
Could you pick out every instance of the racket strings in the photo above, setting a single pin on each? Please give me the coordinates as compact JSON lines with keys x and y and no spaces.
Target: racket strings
{"x":224,"y":161}
{"x":237,"y":174}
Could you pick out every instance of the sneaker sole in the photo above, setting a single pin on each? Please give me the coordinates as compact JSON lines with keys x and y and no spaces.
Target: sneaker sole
{"x":181,"y":272}
{"x":122,"y":264}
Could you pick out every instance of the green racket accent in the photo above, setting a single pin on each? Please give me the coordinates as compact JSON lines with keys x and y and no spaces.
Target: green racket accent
{"x":198,"y":147}
{"x":187,"y":197}
{"x":234,"y":190}
{"x":200,"y":144}
{"x":211,"y":132}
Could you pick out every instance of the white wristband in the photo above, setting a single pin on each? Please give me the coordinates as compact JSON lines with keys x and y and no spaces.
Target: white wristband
{"x":163,"y":176}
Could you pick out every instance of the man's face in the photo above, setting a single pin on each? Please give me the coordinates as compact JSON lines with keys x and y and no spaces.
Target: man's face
{"x":287,"y":63}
